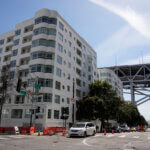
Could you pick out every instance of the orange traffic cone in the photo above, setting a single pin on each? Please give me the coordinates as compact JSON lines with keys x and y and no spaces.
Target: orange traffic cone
{"x":112,"y":131}
{"x":39,"y":133}
{"x":104,"y":132}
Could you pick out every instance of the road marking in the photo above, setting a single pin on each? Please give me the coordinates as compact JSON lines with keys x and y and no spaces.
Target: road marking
{"x":85,"y":142}
{"x":110,"y":135}
{"x":149,"y":138}
{"x":135,"y":137}
{"x":122,"y":136}
{"x":98,"y":135}
{"x":3,"y":138}
{"x":15,"y":137}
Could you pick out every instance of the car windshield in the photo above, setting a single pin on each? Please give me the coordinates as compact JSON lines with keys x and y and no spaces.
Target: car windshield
{"x":79,"y":125}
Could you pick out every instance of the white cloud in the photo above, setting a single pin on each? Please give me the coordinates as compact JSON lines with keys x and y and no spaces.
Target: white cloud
{"x":135,"y":19}
{"x":119,"y":43}
{"x":135,"y":33}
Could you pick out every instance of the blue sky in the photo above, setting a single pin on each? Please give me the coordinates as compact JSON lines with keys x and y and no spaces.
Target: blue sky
{"x":118,"y":30}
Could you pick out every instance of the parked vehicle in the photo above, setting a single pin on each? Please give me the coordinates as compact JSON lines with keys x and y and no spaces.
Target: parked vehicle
{"x":133,"y":129}
{"x":82,"y":129}
{"x":124,"y":128}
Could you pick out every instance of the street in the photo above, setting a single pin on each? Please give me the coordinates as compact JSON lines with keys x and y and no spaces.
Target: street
{"x":122,"y":141}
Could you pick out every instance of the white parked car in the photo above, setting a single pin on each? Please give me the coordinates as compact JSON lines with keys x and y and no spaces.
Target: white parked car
{"x":82,"y":129}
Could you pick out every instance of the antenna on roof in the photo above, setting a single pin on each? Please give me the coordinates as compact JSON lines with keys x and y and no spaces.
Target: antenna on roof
{"x":142,"y":57}
{"x":115,"y":60}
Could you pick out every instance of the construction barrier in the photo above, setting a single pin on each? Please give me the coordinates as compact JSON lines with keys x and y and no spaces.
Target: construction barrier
{"x":32,"y":130}
{"x":105,"y":132}
{"x":64,"y":133}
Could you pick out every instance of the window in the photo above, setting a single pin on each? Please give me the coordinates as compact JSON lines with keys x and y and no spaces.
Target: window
{"x":11,"y":74}
{"x":46,"y":20}
{"x":42,"y":68}
{"x":5,"y":113}
{"x":78,"y":93}
{"x":43,"y":55}
{"x":15,"y":52}
{"x":19,"y":99}
{"x":16,"y":113}
{"x":57,"y":99}
{"x":13,"y":63}
{"x":16,"y":42}
{"x":48,"y":83}
{"x":63,"y":100}
{"x":56,"y":114}
{"x":69,"y":76}
{"x":58,"y":72}
{"x":44,"y":82}
{"x":47,"y":97}
{"x":61,"y":26}
{"x":89,"y":77}
{"x":60,"y":48}
{"x":17,"y":32}
{"x":83,"y":83}
{"x":70,"y":44}
{"x":43,"y":42}
{"x":70,"y":34}
{"x":44,"y":30}
{"x":1,"y":49}
{"x":57,"y":85}
{"x":60,"y":36}
{"x":69,"y":65}
{"x":69,"y":53}
{"x":48,"y":69}
{"x":59,"y":60}
{"x":78,"y":82}
{"x":68,"y":100}
{"x":49,"y":113}
{"x":2,"y":42}
{"x":68,"y":88}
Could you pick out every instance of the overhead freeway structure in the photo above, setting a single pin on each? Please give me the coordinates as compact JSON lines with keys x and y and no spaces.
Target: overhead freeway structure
{"x":136,"y":81}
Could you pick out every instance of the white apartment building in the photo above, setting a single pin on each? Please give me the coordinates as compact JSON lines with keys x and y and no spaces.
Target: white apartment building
{"x":45,"y":50}
{"x":108,"y":75}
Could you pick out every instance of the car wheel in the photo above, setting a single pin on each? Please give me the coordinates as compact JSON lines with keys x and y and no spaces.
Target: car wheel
{"x":94,"y":133}
{"x":85,"y":135}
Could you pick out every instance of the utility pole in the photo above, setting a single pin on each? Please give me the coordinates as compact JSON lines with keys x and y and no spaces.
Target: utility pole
{"x":73,"y":103}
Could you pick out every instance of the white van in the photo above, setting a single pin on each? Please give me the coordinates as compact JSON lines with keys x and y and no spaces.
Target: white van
{"x":82,"y":129}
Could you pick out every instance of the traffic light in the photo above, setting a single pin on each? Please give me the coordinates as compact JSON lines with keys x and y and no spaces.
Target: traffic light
{"x":65,"y":111}
{"x":37,"y":109}
{"x":19,"y":85}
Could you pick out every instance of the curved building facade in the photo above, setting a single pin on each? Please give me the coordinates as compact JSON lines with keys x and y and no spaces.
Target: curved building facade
{"x":54,"y":63}
{"x":108,"y":75}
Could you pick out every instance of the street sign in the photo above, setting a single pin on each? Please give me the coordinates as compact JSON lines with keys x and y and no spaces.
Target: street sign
{"x":29,"y":92}
{"x":16,"y":130}
{"x":73,"y":100}
{"x":37,"y":86}
{"x":23,"y":92}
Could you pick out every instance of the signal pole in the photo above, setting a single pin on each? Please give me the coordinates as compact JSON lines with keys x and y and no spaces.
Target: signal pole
{"x":73,"y":103}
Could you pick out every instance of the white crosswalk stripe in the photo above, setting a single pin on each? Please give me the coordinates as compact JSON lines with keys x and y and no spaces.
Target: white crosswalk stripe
{"x":11,"y":137}
{"x":122,"y":136}
{"x":1,"y":138}
{"x":135,"y":137}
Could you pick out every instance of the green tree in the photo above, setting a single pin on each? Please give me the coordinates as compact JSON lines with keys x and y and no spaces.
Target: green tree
{"x":90,"y":108}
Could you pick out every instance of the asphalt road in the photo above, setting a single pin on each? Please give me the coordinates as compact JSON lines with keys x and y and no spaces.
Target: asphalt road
{"x":122,"y":141}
